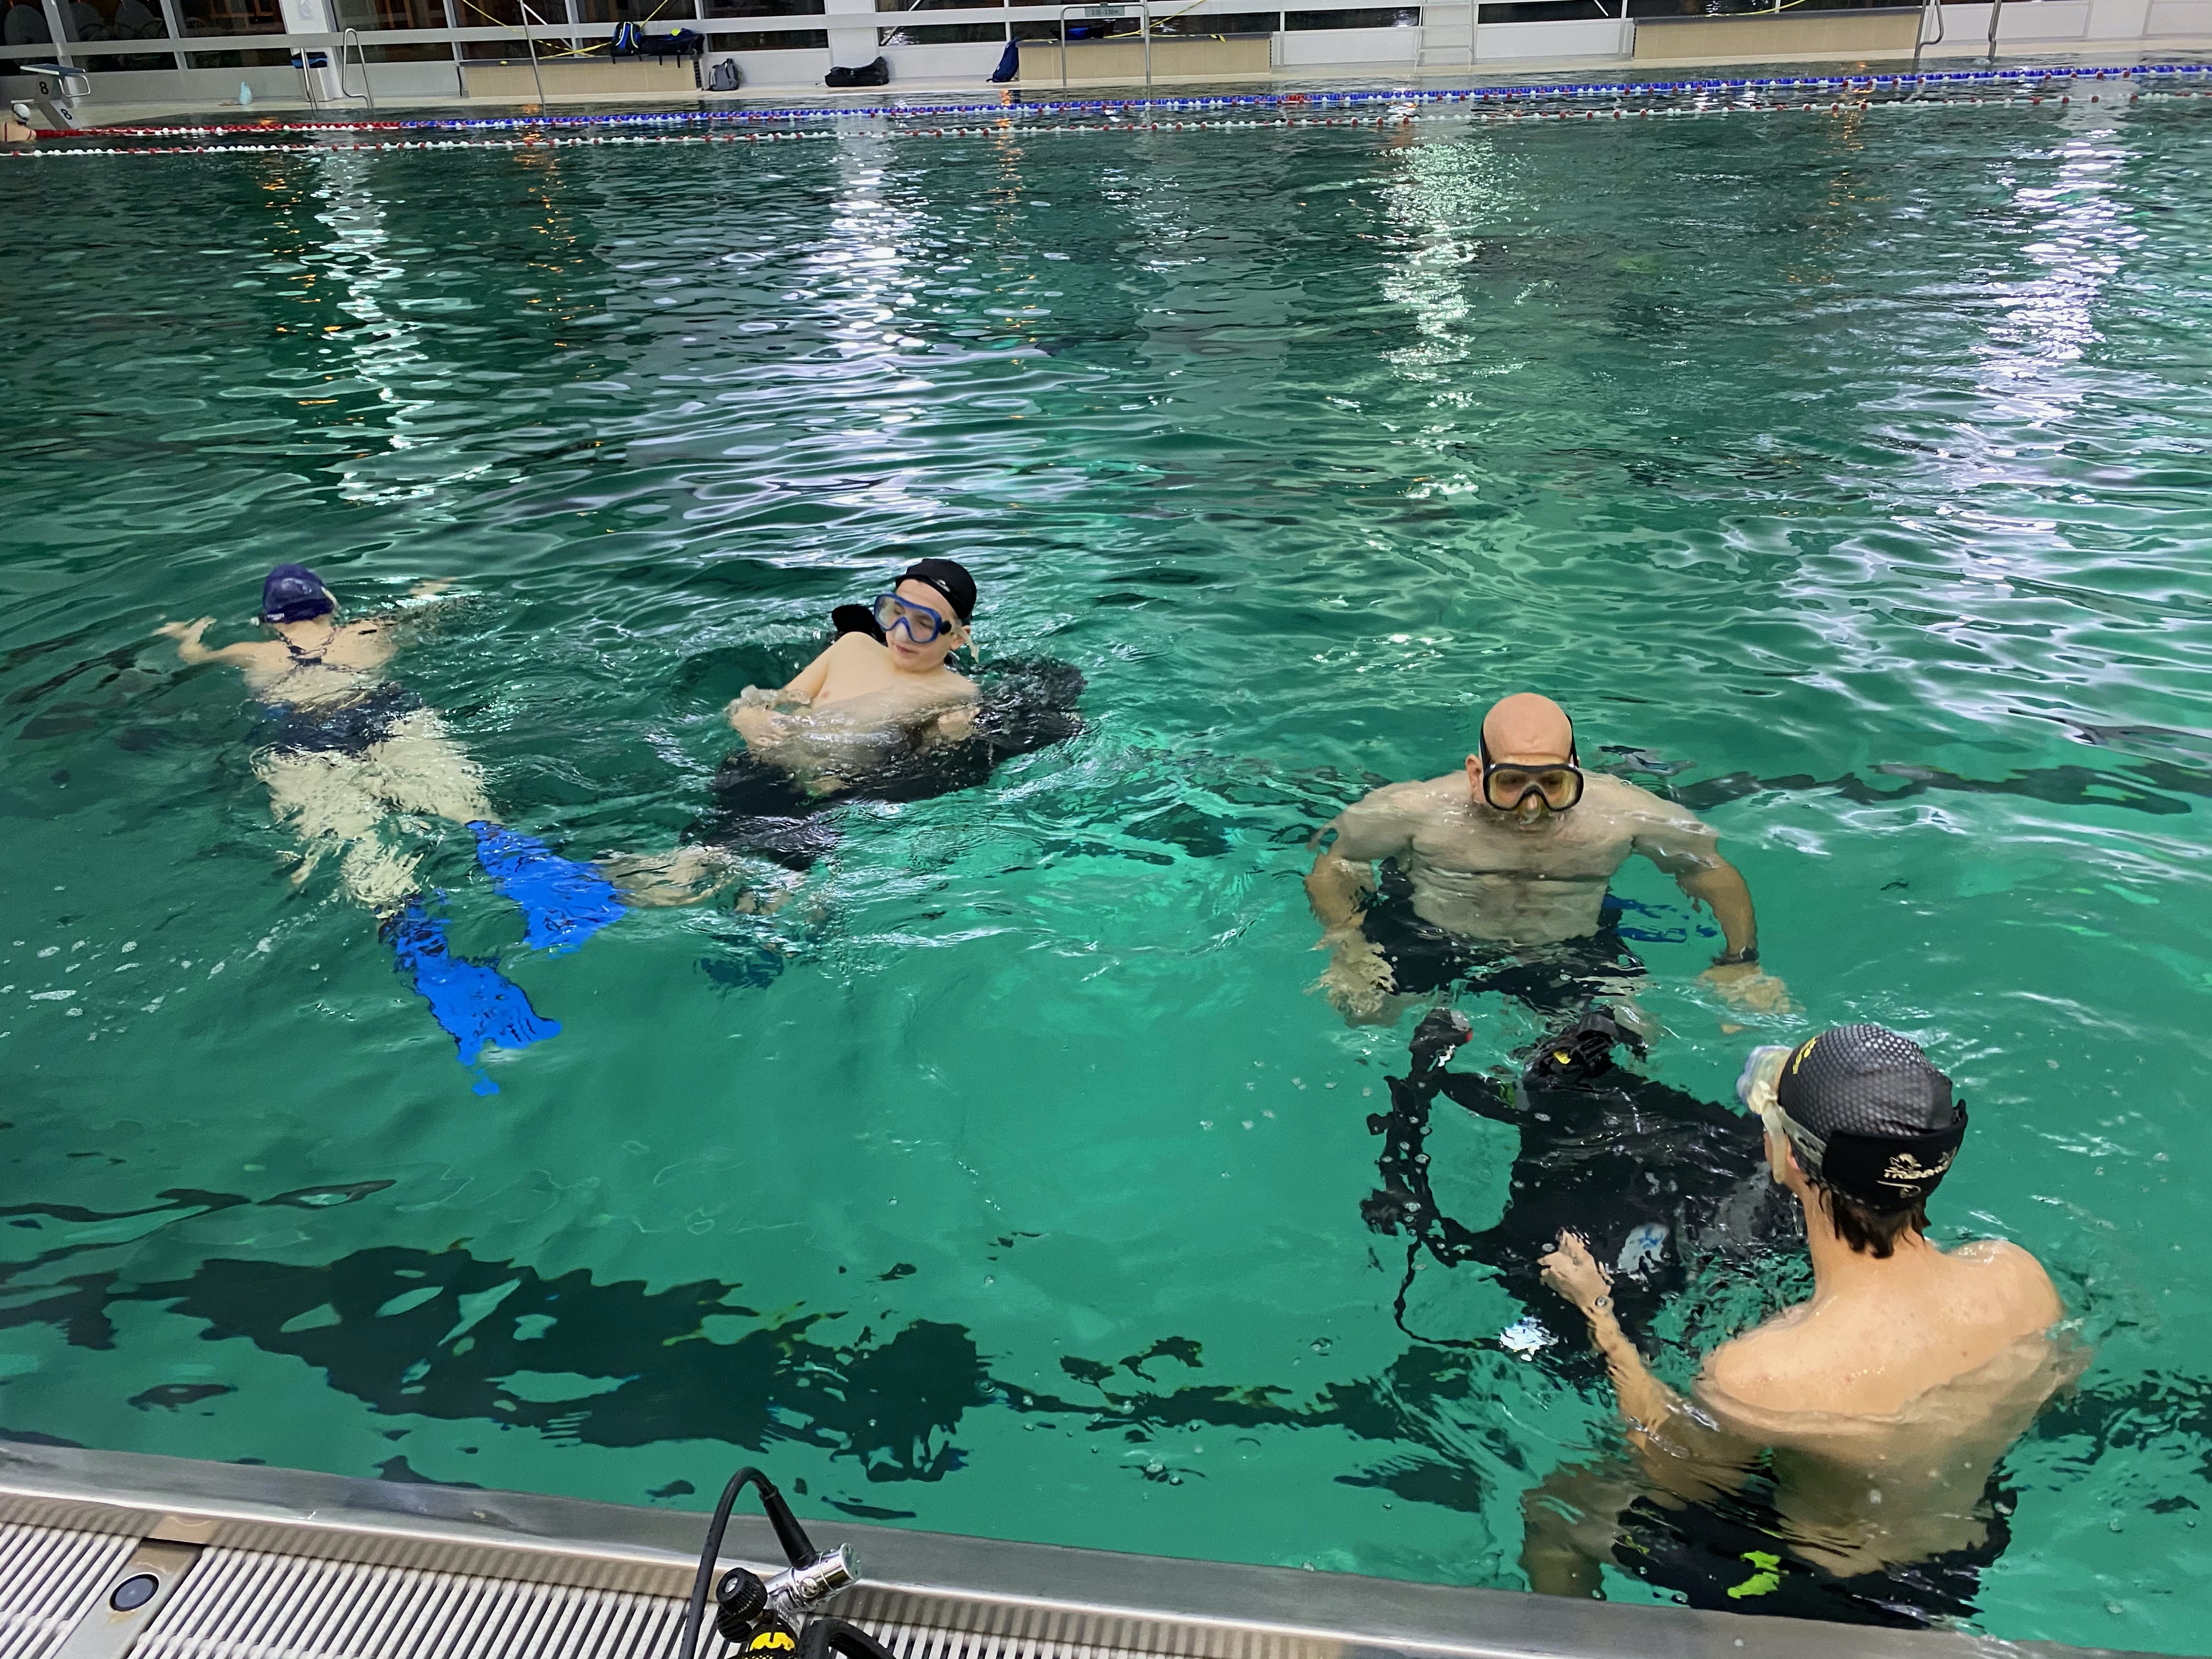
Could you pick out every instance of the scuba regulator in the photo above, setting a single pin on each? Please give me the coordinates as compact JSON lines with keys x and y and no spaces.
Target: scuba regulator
{"x":760,"y":1618}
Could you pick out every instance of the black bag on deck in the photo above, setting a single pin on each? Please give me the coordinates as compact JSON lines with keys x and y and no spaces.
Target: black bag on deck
{"x":877,"y":74}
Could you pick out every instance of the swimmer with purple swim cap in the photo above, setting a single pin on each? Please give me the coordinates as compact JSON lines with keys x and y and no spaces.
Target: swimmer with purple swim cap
{"x":353,"y":760}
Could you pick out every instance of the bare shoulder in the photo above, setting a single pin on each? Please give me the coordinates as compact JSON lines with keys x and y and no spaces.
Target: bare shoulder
{"x":1764,"y":1368}
{"x":256,"y":655}
{"x":2010,"y":1283}
{"x":1632,"y":800}
{"x":853,"y":647}
{"x":1422,"y":796}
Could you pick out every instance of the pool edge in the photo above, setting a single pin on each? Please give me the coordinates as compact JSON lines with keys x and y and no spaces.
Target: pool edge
{"x":1049,"y":1593}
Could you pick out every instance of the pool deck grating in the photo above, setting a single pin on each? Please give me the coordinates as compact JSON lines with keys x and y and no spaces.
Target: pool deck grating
{"x":255,"y":1563}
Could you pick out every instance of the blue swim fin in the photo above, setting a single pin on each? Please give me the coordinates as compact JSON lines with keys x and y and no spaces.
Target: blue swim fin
{"x":563,"y":902}
{"x":476,"y":1003}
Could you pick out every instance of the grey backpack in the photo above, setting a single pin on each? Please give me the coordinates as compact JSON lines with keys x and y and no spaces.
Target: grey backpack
{"x":724,"y":76}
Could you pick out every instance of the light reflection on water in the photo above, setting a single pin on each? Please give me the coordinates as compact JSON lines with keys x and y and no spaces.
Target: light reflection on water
{"x":1855,"y":469}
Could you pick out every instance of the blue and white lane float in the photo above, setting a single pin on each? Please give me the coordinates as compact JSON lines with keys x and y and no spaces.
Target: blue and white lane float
{"x":1751,"y":87}
{"x":1406,"y":111}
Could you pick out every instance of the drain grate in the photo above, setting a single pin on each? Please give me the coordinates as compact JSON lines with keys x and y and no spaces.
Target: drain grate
{"x":249,"y":1604}
{"x":49,"y":1576}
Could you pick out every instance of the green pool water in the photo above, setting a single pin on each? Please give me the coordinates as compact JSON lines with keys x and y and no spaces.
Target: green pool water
{"x":1854,"y":469}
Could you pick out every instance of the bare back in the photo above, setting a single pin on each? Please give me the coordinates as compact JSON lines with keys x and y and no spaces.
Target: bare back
{"x":1884,"y":1414}
{"x":1483,"y":874}
{"x":315,"y":663}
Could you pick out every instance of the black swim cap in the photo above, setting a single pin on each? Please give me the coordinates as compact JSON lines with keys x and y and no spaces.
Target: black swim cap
{"x":292,"y":593}
{"x":1869,"y":1116}
{"x":949,"y":579}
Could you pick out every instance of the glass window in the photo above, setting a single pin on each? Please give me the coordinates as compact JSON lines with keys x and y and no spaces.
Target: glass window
{"x":1568,"y":11}
{"x":654,"y":16}
{"x":366,"y":14}
{"x":204,"y":18}
{"x":1235,"y":23}
{"x":763,"y":8}
{"x":1374,"y":18}
{"x":113,"y":19}
{"x":782,"y":40}
{"x":942,"y":34}
{"x":26,"y":25}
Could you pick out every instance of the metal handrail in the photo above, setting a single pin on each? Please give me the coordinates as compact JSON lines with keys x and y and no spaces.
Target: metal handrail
{"x":1921,"y":42}
{"x":530,"y":41}
{"x":1144,"y":31}
{"x":352,"y":36}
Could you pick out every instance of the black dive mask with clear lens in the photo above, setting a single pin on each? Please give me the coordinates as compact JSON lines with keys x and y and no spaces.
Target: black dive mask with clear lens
{"x":1505,"y":786}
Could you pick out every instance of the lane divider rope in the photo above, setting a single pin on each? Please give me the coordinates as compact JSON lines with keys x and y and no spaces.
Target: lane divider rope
{"x":1835,"y":107}
{"x":798,"y":115}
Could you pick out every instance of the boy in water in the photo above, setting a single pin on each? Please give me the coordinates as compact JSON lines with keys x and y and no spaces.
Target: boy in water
{"x":351,"y":753}
{"x":348,"y":748}
{"x":1836,"y":1462}
{"x":854,"y":721}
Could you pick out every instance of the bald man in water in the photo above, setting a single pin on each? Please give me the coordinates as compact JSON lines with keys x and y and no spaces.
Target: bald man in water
{"x":1496,"y":876}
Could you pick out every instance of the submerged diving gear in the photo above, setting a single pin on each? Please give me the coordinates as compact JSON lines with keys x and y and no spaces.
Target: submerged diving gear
{"x":1025,"y":704}
{"x":1441,"y":1029}
{"x":1506,"y":784}
{"x":1866,"y":1113}
{"x":563,"y":902}
{"x":1659,"y":1182}
{"x":1584,"y":1049}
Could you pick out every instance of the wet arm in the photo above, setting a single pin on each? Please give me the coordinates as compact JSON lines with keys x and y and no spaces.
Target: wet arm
{"x":1343,"y":875}
{"x":811,"y":678}
{"x":192,"y":652}
{"x":1679,"y":1445}
{"x":753,"y":715}
{"x":1720,"y":886}
{"x":1338,"y":891}
{"x":1683,"y":844}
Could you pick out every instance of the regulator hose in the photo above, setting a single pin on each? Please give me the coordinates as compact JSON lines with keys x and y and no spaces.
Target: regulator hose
{"x":788,"y":1533}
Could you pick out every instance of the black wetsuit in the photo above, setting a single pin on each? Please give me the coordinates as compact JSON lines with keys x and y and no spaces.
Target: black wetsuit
{"x":1552,"y":979}
{"x":1024,"y":704}
{"x":1604,"y":1156}
{"x":351,"y":724}
{"x":1730,"y":1554}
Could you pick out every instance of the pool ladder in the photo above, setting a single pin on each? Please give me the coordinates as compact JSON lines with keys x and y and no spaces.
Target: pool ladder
{"x":350,"y":41}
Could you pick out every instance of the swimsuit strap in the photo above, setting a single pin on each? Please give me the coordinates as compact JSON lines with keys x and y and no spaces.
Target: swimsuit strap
{"x":317,"y":655}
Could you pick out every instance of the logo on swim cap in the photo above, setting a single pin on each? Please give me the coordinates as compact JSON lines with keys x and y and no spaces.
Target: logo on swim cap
{"x":1905,"y":1171}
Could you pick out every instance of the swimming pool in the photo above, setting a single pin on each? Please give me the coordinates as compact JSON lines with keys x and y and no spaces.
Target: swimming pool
{"x":1845,"y":476}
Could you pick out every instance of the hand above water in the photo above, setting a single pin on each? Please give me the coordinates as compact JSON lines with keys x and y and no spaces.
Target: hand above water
{"x":1574,"y":1273}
